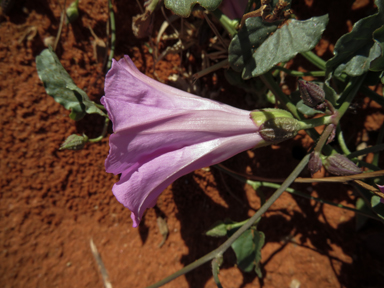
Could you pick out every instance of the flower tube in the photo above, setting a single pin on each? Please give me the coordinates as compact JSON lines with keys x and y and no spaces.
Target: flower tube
{"x":162,"y":133}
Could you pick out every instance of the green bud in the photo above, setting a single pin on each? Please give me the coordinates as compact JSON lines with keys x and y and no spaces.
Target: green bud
{"x":73,"y":11}
{"x":219,"y":229}
{"x":74,"y":142}
{"x":279,"y":129}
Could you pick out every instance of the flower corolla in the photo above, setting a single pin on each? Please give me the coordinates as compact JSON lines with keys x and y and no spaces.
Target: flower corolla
{"x":162,"y":133}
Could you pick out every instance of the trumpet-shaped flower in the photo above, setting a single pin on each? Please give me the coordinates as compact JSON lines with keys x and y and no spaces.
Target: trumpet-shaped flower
{"x":162,"y":133}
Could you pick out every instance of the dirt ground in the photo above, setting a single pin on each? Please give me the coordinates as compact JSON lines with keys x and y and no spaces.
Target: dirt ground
{"x":53,"y":202}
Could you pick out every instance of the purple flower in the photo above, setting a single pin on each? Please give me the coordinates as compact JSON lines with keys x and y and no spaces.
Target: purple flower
{"x":161,"y":134}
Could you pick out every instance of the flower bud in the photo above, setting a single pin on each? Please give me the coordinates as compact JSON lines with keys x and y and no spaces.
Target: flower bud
{"x":74,"y":142}
{"x":315,"y":162}
{"x":279,"y":129}
{"x":340,"y":165}
{"x":276,"y":125}
{"x":311,"y":93}
{"x":72,"y":11}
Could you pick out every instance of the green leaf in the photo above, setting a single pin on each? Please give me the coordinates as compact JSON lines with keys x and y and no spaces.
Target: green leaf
{"x":247,"y":249}
{"x":61,"y":87}
{"x":330,"y":93}
{"x":377,"y":206}
{"x":306,"y":110}
{"x":258,"y":239}
{"x":356,"y":50}
{"x":378,"y":64}
{"x":184,"y":8}
{"x":257,"y":55}
{"x":244,"y":44}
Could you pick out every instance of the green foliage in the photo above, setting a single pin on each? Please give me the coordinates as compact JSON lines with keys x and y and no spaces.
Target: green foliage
{"x":60,"y":86}
{"x":247,"y":247}
{"x":184,"y":8}
{"x":377,"y":206}
{"x":254,"y":52}
{"x":356,"y":51}
{"x":246,"y":42}
{"x":378,"y":64}
{"x":306,"y":110}
{"x":248,"y":250}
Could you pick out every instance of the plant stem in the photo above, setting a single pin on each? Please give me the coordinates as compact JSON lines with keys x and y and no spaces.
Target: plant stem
{"x":323,"y":138}
{"x":298,"y":73}
{"x":340,"y":139}
{"x":380,"y":138}
{"x":304,"y":195}
{"x":102,"y":135}
{"x":314,"y":59}
{"x":373,"y":149}
{"x":215,"y":270}
{"x":314,"y":122}
{"x":210,"y":69}
{"x":275,"y":89}
{"x":100,"y":106}
{"x":221,"y":249}
{"x":113,"y":33}
{"x":373,"y":95}
{"x":228,"y":24}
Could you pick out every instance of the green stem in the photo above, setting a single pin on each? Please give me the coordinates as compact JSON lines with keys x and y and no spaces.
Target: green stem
{"x":380,"y":138}
{"x":215,"y":270}
{"x":220,"y":250}
{"x":275,"y":89}
{"x":210,"y":69}
{"x":304,"y":195}
{"x":314,"y":122}
{"x":340,"y":139}
{"x":373,"y":95}
{"x":314,"y":59}
{"x":106,"y":122}
{"x":298,"y":73}
{"x":113,"y":34}
{"x":100,"y":106}
{"x":368,"y":165}
{"x":350,"y":91}
{"x":373,"y":149}
{"x":228,"y":24}
{"x":323,"y":138}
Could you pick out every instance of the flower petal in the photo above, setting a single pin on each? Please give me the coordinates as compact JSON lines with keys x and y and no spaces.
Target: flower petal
{"x":140,"y":186}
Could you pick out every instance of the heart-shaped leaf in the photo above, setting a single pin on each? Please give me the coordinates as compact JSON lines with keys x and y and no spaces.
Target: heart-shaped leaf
{"x":259,"y":52}
{"x":248,"y":250}
{"x":61,"y":87}
{"x":356,"y":50}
